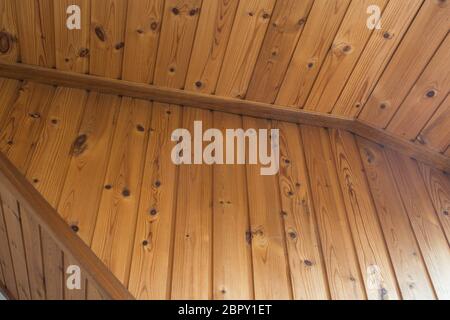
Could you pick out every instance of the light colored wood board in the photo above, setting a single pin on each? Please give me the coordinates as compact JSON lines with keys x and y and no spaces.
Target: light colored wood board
{"x":408,"y":264}
{"x":427,"y":228}
{"x":307,"y":269}
{"x":21,"y":128}
{"x":253,"y":16}
{"x":9,"y":50}
{"x":438,"y":186}
{"x":9,"y":91}
{"x":33,"y":250}
{"x":5,"y":257}
{"x":36,"y":25}
{"x":436,"y":135}
{"x":374,"y":260}
{"x":320,"y":29}
{"x":429,"y":27}
{"x":108,"y":19}
{"x":344,"y":276}
{"x":232,"y":259}
{"x":144,"y":18}
{"x":150,"y":276}
{"x":396,"y":19}
{"x":73,"y":294}
{"x":180,"y":19}
{"x":192,"y":257}
{"x":116,"y":219}
{"x":49,"y":164}
{"x":72,"y":46}
{"x":89,"y":158}
{"x":344,"y":54}
{"x":284,"y":31}
{"x":425,"y":97}
{"x":11,"y":214}
{"x":211,"y":41}
{"x":53,"y":268}
{"x":271,"y":272}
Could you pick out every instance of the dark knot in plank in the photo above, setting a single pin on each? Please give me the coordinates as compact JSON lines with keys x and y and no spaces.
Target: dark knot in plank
{"x":79,"y":146}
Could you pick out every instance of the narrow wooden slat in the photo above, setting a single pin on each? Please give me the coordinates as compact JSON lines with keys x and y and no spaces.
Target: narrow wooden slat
{"x":72,"y":46}
{"x":344,"y":54}
{"x":396,"y":19}
{"x":150,"y":276}
{"x":52,"y":257}
{"x":374,"y":260}
{"x":2,"y":278}
{"x":9,"y":90}
{"x":408,"y":264}
{"x":211,"y":40}
{"x":323,"y":22}
{"x":117,"y":215}
{"x":180,"y":19}
{"x":306,"y":264}
{"x":108,"y":19}
{"x":253,"y":16}
{"x":232,"y":260}
{"x":9,"y":50}
{"x":435,"y":135}
{"x":429,"y":27}
{"x":430,"y":237}
{"x":344,"y":276}
{"x":192,"y":257}
{"x":144,"y":18}
{"x":284,"y":31}
{"x":438,"y":186}
{"x":89,"y":157}
{"x":36,"y":32}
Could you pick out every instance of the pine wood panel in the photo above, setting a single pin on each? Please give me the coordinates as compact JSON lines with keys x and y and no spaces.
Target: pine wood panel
{"x":9,"y":48}
{"x":144,"y":18}
{"x":52,"y":257}
{"x":406,"y":258}
{"x":72,"y":46}
{"x":117,"y":215}
{"x":9,"y":90}
{"x":5,"y":257}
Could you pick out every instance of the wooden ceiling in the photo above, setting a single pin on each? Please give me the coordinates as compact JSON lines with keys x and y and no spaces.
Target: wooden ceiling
{"x":318,"y":55}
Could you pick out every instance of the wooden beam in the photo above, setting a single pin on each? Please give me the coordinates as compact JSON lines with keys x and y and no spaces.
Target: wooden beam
{"x":224,"y":104}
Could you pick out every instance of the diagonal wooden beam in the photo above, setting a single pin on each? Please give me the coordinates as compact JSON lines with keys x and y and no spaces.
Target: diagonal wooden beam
{"x":225,"y":104}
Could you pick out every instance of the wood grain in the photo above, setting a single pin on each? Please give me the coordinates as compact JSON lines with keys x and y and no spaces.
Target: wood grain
{"x":9,"y":50}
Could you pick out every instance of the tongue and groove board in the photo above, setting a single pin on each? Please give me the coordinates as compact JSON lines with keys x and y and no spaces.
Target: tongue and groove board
{"x":9,"y":49}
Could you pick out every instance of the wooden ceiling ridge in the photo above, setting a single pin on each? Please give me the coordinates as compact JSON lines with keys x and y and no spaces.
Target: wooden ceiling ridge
{"x":224,"y":104}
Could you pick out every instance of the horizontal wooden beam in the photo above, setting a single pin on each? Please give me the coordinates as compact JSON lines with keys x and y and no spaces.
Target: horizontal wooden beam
{"x":225,"y":104}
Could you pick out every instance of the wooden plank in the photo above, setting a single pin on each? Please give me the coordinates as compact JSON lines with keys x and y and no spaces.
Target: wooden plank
{"x":211,"y":40}
{"x":72,"y":46}
{"x":435,"y":135}
{"x":192,"y":258}
{"x":9,"y":90}
{"x":269,"y":253}
{"x":180,"y":20}
{"x":50,"y":161}
{"x":36,"y":32}
{"x":108,"y":19}
{"x":425,"y":97}
{"x":284,"y":31}
{"x":344,"y":54}
{"x":232,"y":259}
{"x":11,"y":214}
{"x":396,"y":19}
{"x":374,"y":260}
{"x":430,"y":27}
{"x":430,"y":237}
{"x":52,"y":258}
{"x":9,"y":49}
{"x":21,"y":128}
{"x":344,"y":277}
{"x":253,"y":16}
{"x":323,"y":23}
{"x":117,"y":214}
{"x":308,"y":274}
{"x":144,"y":18}
{"x":2,"y":278}
{"x":89,"y":157}
{"x":438,"y":186}
{"x":406,"y":258}
{"x":150,"y":276}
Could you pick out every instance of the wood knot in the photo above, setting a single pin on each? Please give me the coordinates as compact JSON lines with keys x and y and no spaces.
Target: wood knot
{"x":126,"y":192}
{"x":301,"y":22}
{"x":387,"y":35}
{"x":383,"y":106}
{"x":193,"y":12}
{"x":265,"y":16}
{"x":154,"y":25}
{"x":75,"y":228}
{"x":310,"y":65}
{"x":108,"y":187}
{"x":308,"y":263}
{"x":140,"y":128}
{"x":120,"y":45}
{"x":431,"y":94}
{"x":145,"y":243}
{"x":79,"y":146}
{"x":5,"y":42}
{"x":35,"y":180}
{"x":153,"y":212}
{"x":157,"y":183}
{"x":292,"y":235}
{"x":84,"y":52}
{"x":175,"y":11}
{"x":100,"y":33}
{"x":347,"y":49}
{"x":248,"y":237}
{"x":198,"y":84}
{"x":35,"y":115}
{"x":445,"y":213}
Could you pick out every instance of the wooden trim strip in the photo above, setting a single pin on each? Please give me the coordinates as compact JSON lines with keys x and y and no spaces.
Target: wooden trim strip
{"x":50,"y":221}
{"x":224,"y":104}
